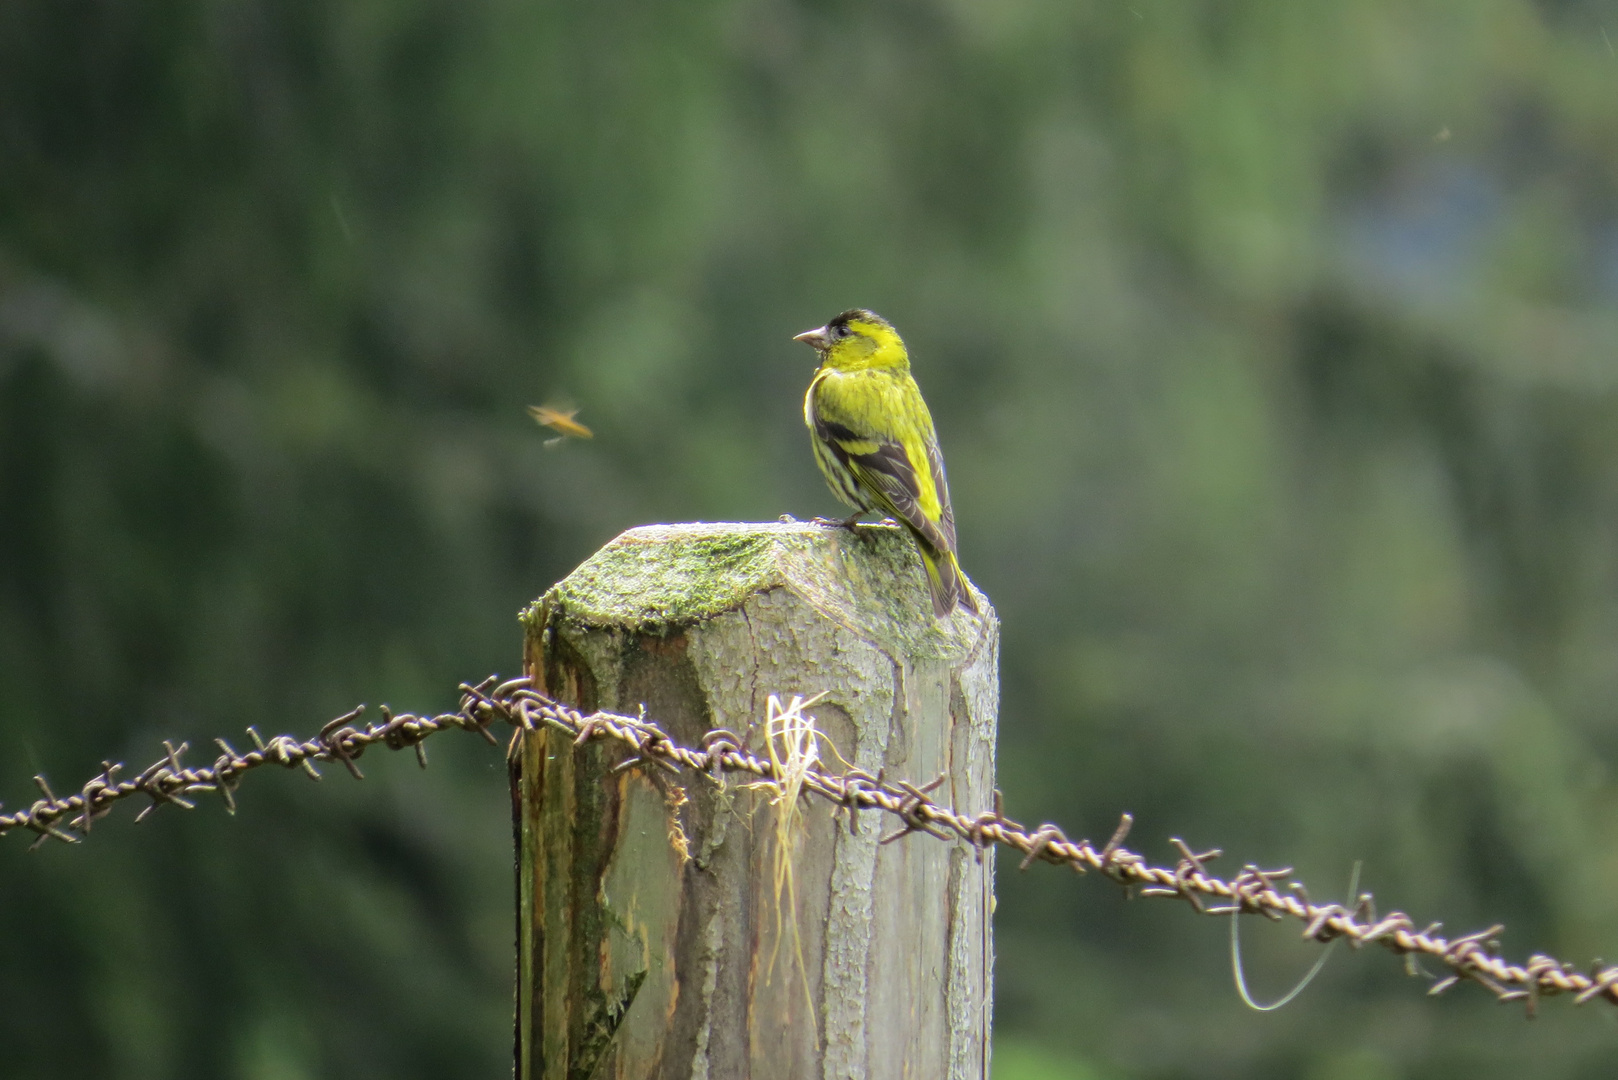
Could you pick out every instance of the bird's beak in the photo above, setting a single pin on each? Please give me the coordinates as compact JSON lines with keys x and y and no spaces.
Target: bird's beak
{"x":816,"y":337}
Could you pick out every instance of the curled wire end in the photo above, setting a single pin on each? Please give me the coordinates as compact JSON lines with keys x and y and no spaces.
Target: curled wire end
{"x":1267,"y":880}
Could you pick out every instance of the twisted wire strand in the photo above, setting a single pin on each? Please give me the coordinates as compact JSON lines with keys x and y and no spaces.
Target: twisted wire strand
{"x":1272,"y":893}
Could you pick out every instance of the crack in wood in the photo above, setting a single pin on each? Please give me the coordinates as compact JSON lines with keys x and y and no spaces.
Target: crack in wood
{"x":605,"y":1018}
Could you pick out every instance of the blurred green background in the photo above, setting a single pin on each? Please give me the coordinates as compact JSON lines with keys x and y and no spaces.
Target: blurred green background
{"x":1273,"y":347}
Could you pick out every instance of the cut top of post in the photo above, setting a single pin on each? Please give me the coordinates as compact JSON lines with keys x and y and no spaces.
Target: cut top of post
{"x":869,"y":578}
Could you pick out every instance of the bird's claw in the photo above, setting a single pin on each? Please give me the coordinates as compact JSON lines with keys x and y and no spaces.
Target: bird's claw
{"x":837,"y":523}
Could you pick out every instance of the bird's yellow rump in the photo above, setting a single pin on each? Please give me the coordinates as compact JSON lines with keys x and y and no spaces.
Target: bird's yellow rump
{"x":874,"y":441}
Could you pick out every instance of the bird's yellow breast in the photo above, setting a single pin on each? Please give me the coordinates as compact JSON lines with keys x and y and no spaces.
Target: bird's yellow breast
{"x":881,"y":406}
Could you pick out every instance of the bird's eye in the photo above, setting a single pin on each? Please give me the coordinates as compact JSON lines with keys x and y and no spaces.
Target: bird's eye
{"x":841,"y":332}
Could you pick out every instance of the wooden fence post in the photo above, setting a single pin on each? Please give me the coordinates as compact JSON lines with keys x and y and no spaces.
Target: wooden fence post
{"x":651,"y":941}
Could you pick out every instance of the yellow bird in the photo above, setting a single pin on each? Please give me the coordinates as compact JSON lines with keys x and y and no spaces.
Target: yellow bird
{"x":874,"y":441}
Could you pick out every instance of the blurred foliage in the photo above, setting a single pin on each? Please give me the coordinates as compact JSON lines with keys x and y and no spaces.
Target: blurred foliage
{"x":1274,"y":352}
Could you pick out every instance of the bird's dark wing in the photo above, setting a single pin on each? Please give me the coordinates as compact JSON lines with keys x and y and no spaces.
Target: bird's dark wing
{"x":946,"y":513}
{"x":885,"y":469}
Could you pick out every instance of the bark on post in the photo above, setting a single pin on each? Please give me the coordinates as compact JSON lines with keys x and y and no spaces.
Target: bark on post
{"x":650,"y":940}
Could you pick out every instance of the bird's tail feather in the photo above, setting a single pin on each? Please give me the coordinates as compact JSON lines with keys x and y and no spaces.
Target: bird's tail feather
{"x":946,"y":583}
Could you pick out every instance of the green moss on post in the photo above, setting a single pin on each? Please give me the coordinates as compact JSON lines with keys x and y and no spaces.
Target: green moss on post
{"x":647,"y":924}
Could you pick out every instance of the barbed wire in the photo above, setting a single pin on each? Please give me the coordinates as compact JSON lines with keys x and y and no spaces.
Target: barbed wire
{"x":1271,"y":893}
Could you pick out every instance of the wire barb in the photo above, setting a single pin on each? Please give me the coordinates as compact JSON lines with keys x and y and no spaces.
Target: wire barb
{"x":1272,"y":893}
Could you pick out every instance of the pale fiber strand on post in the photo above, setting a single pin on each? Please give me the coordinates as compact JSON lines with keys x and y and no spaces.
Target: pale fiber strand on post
{"x":794,"y":749}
